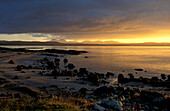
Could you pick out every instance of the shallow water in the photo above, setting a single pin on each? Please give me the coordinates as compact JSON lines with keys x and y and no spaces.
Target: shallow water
{"x":154,"y":59}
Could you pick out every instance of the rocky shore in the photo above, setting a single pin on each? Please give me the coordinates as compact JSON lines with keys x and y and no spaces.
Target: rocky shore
{"x":48,"y":73}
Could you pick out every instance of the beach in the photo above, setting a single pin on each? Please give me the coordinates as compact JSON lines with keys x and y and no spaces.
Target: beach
{"x":37,"y":74}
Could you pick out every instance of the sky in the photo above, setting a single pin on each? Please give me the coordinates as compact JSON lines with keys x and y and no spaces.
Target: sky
{"x":126,"y":21}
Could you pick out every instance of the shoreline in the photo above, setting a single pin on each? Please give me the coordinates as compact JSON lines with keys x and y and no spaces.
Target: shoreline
{"x":33,"y":71}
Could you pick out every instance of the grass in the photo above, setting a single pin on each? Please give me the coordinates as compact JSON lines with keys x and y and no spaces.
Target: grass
{"x":45,"y":104}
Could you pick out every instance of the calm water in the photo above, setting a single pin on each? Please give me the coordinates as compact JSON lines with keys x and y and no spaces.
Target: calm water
{"x":154,"y":59}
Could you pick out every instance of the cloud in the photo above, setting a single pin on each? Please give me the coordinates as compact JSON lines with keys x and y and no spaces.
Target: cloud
{"x":81,"y":18}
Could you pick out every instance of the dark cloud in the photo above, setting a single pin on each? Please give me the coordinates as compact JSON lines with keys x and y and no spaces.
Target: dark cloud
{"x":77,"y":17}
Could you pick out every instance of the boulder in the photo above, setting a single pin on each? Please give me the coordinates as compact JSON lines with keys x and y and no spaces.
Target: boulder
{"x":50,"y":65}
{"x":82,"y":91}
{"x":55,"y":73}
{"x":104,"y":90}
{"x":109,"y":74}
{"x":70,"y":66}
{"x":121,"y":79}
{"x":65,"y":60}
{"x":138,"y":69}
{"x":16,"y":77}
{"x":99,"y":108}
{"x":83,"y":70}
{"x":163,"y":76}
{"x":113,"y":104}
{"x":131,"y":76}
{"x":11,"y":62}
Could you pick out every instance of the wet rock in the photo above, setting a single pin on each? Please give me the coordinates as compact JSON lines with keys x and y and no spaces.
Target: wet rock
{"x":42,"y":72}
{"x":70,"y":66}
{"x":113,"y":104}
{"x":105,"y":82}
{"x":11,"y":62}
{"x":86,"y":57}
{"x":45,"y":59}
{"x":139,"y":69}
{"x":168,"y":77}
{"x":82,"y":91}
{"x":131,"y":76}
{"x":101,"y":76}
{"x":17,"y":95}
{"x":2,"y":95}
{"x":71,"y":52}
{"x":28,"y":77}
{"x":55,"y":73}
{"x":75,"y":71}
{"x":50,"y":65}
{"x":65,"y":60}
{"x":154,"y":81}
{"x":158,"y":100}
{"x":121,"y":79}
{"x":163,"y":76}
{"x":104,"y":90}
{"x":148,"y":96}
{"x":27,"y":90}
{"x":22,"y":71}
{"x":30,"y":67}
{"x":16,"y":77}
{"x":120,"y":89}
{"x":83,"y":71}
{"x":69,"y":73}
{"x":109,"y":74}
{"x":19,"y":68}
{"x":99,"y":108}
{"x":94,"y":78}
{"x":57,"y":60}
{"x":55,"y":77}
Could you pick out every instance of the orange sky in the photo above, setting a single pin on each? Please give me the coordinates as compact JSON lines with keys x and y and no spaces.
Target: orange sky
{"x":125,"y":21}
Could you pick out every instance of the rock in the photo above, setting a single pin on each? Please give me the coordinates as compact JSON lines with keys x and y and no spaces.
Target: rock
{"x":101,"y":76}
{"x":16,"y":77}
{"x":55,"y":77}
{"x":104,"y":90}
{"x":19,"y":68}
{"x":69,"y":73}
{"x":163,"y":76}
{"x":27,"y":90}
{"x":45,"y":59}
{"x":82,"y":91}
{"x":42,"y":72}
{"x":65,"y":60}
{"x":11,"y":62}
{"x":22,"y":71}
{"x":159,"y":99}
{"x":94,"y":78}
{"x":75,"y":71}
{"x":112,"y":104}
{"x":168,"y":77}
{"x":120,"y":89}
{"x":30,"y":67}
{"x":70,"y":66}
{"x":99,"y":108}
{"x":156,"y":108}
{"x":55,"y":73}
{"x":57,"y":60}
{"x":139,"y":69}
{"x":109,"y":74}
{"x":28,"y":77}
{"x":50,"y":65}
{"x":83,"y":70}
{"x":131,"y":76}
{"x":121,"y":79}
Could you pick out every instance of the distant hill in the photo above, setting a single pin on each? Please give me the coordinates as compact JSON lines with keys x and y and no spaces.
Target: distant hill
{"x":28,"y":43}
{"x":54,"y":43}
